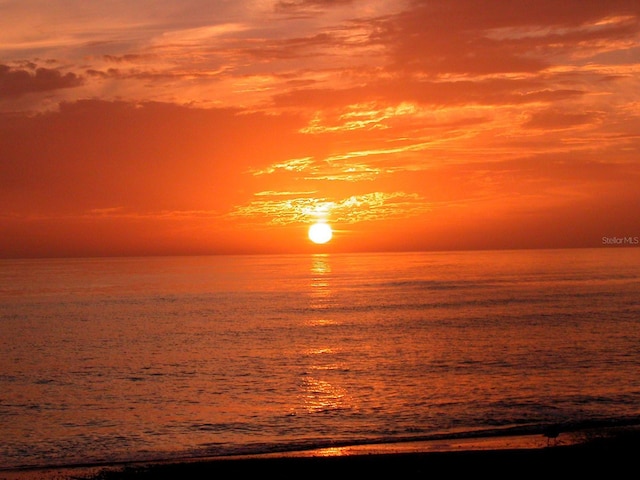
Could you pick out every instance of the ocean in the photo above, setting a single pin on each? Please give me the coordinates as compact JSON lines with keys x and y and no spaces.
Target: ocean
{"x":107,"y":360}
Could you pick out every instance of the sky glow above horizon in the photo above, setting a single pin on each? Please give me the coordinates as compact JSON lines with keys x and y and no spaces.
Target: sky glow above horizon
{"x":196,"y":127}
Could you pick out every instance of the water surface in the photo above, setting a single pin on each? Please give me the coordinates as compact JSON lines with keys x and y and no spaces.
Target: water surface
{"x":121,"y":359}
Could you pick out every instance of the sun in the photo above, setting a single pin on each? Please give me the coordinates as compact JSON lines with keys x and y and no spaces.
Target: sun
{"x":320,"y":232}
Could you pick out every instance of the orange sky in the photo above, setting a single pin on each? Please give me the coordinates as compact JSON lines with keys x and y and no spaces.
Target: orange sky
{"x":195,"y":127}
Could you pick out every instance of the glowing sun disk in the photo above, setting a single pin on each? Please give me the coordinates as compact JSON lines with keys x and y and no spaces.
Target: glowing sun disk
{"x":320,"y":232}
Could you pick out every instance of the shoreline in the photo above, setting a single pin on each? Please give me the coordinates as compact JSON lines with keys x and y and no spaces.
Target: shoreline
{"x":608,"y":450}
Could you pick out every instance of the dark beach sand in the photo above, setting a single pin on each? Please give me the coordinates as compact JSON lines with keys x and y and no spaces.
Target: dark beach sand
{"x":608,"y":454}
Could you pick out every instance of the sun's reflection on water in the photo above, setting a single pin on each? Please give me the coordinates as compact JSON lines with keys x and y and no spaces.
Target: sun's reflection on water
{"x":320,"y":291}
{"x":322,"y":396}
{"x":332,"y":452}
{"x":321,"y":322}
{"x":321,"y":388}
{"x":320,"y":264}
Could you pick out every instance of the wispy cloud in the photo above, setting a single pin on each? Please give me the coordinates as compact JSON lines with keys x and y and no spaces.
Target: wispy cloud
{"x":293,"y":165}
{"x":354,"y":209}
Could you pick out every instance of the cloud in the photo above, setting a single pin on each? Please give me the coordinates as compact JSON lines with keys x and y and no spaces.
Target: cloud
{"x":293,"y":165}
{"x":361,"y":116}
{"x":351,"y":166}
{"x":18,"y":82}
{"x":479,"y":37}
{"x":307,"y":7}
{"x":372,"y":206}
{"x":430,"y":92}
{"x":329,"y":169}
{"x":274,"y":193}
{"x":554,"y":119}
